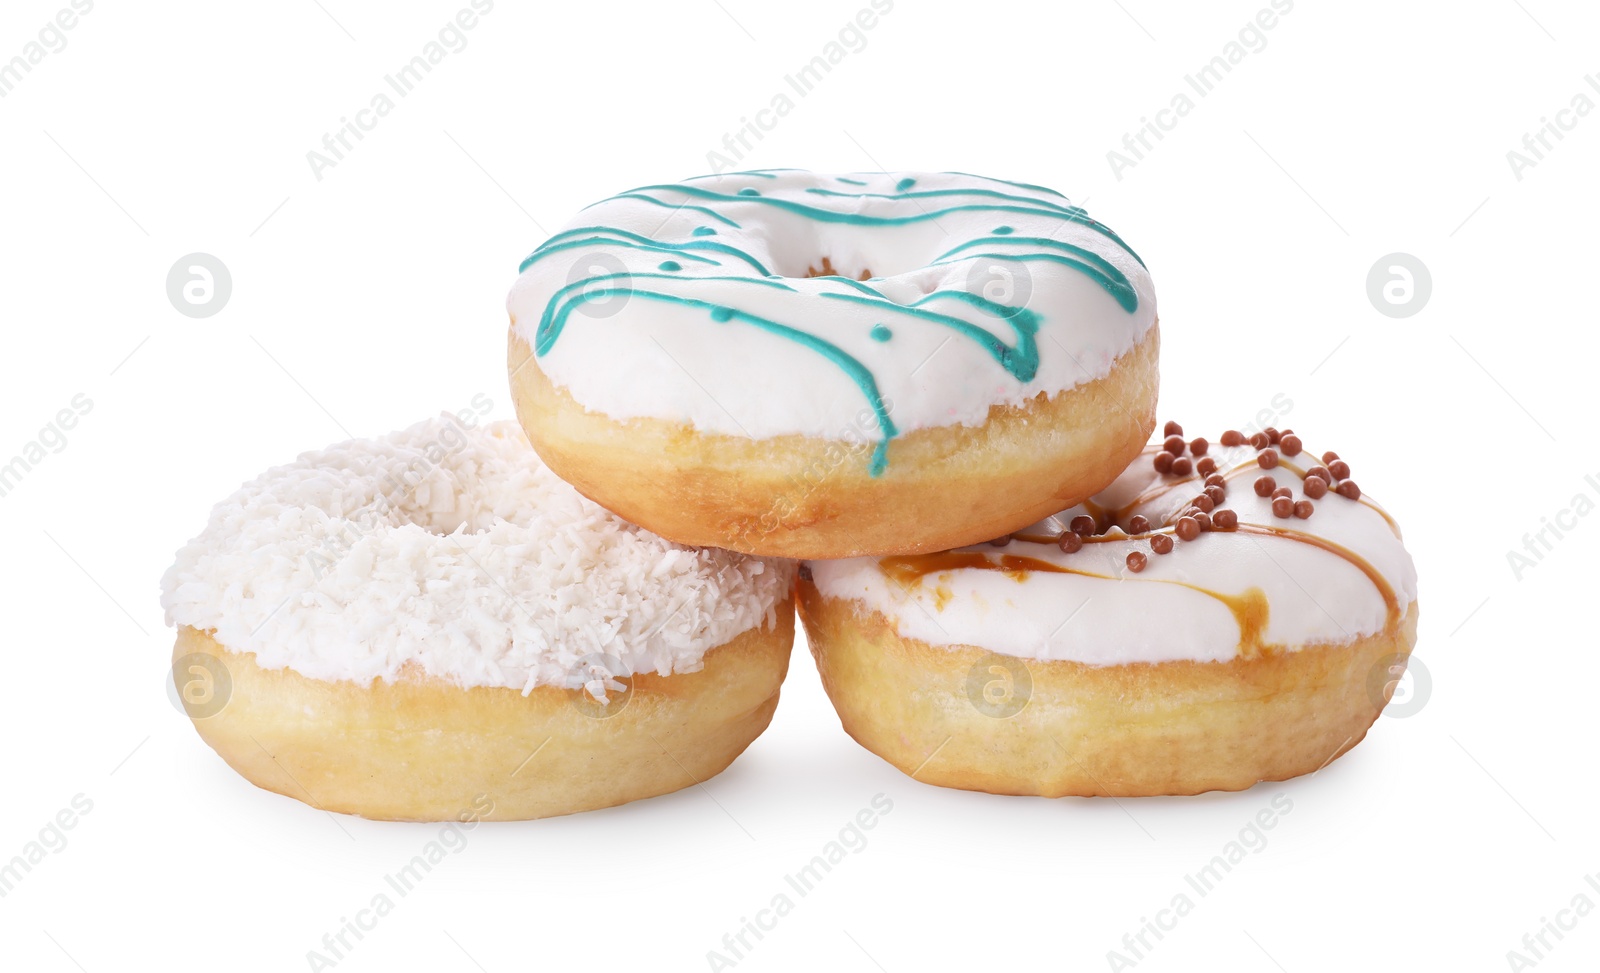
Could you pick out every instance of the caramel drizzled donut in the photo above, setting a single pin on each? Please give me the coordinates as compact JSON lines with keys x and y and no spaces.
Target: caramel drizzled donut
{"x":1181,"y":631}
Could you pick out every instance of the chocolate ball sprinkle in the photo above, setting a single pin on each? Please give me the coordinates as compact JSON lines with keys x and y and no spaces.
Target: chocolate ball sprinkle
{"x":1174,"y":445}
{"x":1260,"y":441}
{"x":1349,"y":490}
{"x":1217,"y":494}
{"x":1233,"y":437}
{"x":1267,"y":459}
{"x":1282,"y":492}
{"x":1188,"y":528}
{"x":1198,"y":446}
{"x":1163,"y":462}
{"x":1171,"y":429}
{"x":1216,"y":480}
{"x":1203,"y":503}
{"x":1161,"y":543}
{"x":1303,"y":508}
{"x":1273,"y":435}
{"x":1206,"y":466}
{"x":1225,"y":520}
{"x":1340,"y":469}
{"x":1136,"y":561}
{"x":1082,"y":525}
{"x":1265,"y":485}
{"x":1282,"y":507}
{"x":1203,"y":520}
{"x":1320,"y":471}
{"x":1329,"y":456}
{"x":1316,"y":487}
{"x":1182,"y":466}
{"x":1291,"y":445}
{"x":1070,"y":543}
{"x":1139,"y":524}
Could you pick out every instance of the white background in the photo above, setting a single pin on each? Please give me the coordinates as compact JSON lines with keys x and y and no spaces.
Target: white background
{"x":374,"y":297}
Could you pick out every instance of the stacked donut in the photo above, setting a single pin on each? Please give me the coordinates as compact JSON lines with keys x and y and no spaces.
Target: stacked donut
{"x":931,"y":390}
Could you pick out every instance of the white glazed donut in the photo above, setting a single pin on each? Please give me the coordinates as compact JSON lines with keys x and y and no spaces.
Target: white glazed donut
{"x":767,"y":361}
{"x":395,"y":625}
{"x":1174,"y":634}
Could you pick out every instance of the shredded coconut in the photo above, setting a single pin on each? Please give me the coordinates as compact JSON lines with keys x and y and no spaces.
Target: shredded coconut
{"x":455,"y":549}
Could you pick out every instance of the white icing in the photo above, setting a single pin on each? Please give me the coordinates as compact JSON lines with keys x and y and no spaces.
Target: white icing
{"x":644,"y":358}
{"x":1314,"y":595}
{"x":454,"y":549}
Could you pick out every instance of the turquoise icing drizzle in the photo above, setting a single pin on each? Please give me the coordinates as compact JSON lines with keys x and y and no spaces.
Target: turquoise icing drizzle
{"x":1020,"y":357}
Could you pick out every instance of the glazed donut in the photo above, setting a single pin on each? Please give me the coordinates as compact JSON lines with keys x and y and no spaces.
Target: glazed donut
{"x":417,"y":626}
{"x":768,"y":361}
{"x":1218,"y":616}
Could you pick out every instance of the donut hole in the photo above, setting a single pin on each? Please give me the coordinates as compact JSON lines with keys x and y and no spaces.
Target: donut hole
{"x":827,"y":270}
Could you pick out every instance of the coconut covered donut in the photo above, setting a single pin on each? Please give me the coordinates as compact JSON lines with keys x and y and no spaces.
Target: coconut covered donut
{"x":768,"y":361}
{"x":419,"y":626}
{"x":1220,"y":615}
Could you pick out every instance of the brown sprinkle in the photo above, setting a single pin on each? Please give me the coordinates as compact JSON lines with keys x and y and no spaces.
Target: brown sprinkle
{"x":1161,"y":543}
{"x":1206,"y":466}
{"x":1217,"y":495}
{"x":1267,"y":458}
{"x":1188,"y":528}
{"x":1282,"y":507}
{"x":1082,"y":525}
{"x":1233,"y":437}
{"x":1216,"y":480}
{"x":1139,"y":524}
{"x":1203,"y":520}
{"x":1172,"y":429}
{"x":1174,"y":445}
{"x":1260,"y":440}
{"x":1225,"y":520}
{"x":1265,"y":485}
{"x":1282,"y":492}
{"x":1340,"y":469}
{"x":1316,"y":487}
{"x":1273,"y":435}
{"x":1320,"y":471}
{"x":1291,"y":445}
{"x":1303,"y":508}
{"x":1136,"y":560}
{"x":1070,"y":543}
{"x":1182,"y":466}
{"x":1329,"y":456}
{"x":1198,"y":446}
{"x":1349,"y":490}
{"x":1163,"y":462}
{"x":1203,"y":503}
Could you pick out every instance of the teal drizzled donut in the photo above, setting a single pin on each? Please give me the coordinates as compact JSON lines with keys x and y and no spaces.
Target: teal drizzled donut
{"x":940,"y":295}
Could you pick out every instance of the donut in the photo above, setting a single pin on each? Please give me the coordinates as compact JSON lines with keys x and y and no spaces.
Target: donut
{"x":768,"y":361}
{"x":1225,"y":612}
{"x":431,"y":624}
